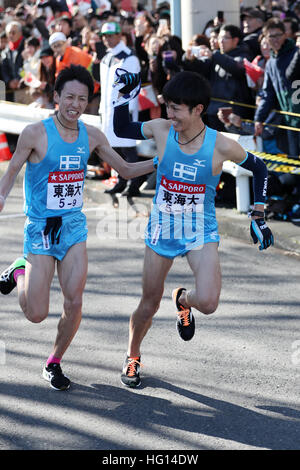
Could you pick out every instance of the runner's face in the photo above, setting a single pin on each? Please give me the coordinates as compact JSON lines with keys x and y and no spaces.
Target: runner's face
{"x":181,"y":116}
{"x":73,"y":100}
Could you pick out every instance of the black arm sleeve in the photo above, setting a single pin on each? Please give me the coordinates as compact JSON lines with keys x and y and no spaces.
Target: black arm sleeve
{"x":124,"y":127}
{"x":39,"y":23}
{"x":260,"y":176}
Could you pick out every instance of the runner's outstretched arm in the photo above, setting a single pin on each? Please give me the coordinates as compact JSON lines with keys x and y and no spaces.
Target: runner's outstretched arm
{"x":128,"y":85}
{"x":260,"y":177}
{"x":259,"y":230}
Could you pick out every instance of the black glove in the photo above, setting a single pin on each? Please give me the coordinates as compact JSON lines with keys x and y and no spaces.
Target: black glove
{"x":261,"y":232}
{"x":130,"y":80}
{"x":54,"y":226}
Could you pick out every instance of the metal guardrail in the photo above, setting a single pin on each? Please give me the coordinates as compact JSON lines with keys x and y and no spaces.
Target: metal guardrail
{"x":14,"y":117}
{"x":245,"y":105}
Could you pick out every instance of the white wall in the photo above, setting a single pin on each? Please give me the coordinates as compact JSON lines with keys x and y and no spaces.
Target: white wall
{"x":196,"y":13}
{"x":249,"y":3}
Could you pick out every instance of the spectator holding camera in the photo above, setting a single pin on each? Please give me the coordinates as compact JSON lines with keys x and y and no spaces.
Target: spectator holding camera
{"x":225,"y":70}
{"x":166,"y":64}
{"x":197,"y":47}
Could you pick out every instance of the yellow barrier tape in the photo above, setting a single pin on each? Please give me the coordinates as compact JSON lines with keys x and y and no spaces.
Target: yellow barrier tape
{"x":275,"y":125}
{"x":254,"y":107}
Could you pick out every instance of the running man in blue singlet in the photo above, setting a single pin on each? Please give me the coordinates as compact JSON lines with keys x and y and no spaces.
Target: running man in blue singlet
{"x":189,"y":158}
{"x":56,"y":151}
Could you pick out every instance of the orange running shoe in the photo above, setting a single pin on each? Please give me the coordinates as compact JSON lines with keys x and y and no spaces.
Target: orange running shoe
{"x":185,"y":320}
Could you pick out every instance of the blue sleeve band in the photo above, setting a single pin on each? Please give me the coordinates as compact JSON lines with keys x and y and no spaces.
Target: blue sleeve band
{"x":124,"y":127}
{"x":240,"y":164}
{"x":260,"y":176}
{"x":142,"y":131}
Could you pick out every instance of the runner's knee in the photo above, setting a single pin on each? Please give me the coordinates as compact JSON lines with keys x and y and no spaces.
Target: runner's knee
{"x":72,"y":305}
{"x":151,"y":304}
{"x":35,"y":315}
{"x":207,"y":305}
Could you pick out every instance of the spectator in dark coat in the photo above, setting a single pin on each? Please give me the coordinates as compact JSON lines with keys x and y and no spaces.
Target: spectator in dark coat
{"x":291,"y":27}
{"x":12,"y":60}
{"x":280,"y":82}
{"x":253,"y":21}
{"x":58,"y":6}
{"x":225,"y":70}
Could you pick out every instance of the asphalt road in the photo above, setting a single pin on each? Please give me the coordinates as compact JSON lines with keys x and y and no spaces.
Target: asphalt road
{"x":235,"y":386}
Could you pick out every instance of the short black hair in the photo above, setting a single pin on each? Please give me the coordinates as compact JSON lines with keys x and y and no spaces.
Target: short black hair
{"x":188,"y":88}
{"x":66,"y":19}
{"x":32,"y":41}
{"x":274,"y":23}
{"x":74,"y":72}
{"x":294,"y":23}
{"x":235,"y":31}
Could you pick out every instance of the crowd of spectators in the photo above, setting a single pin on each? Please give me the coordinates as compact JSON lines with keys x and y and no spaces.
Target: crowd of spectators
{"x":255,"y":65}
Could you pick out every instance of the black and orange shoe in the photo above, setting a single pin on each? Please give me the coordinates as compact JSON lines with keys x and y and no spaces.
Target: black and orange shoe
{"x":185,"y":320}
{"x":131,"y":372}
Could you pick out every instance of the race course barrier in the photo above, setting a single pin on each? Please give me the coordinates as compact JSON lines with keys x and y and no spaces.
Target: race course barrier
{"x":15,"y":117}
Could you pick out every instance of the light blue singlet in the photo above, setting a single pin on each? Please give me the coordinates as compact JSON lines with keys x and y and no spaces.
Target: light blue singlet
{"x":54,"y":186}
{"x":183,"y":213}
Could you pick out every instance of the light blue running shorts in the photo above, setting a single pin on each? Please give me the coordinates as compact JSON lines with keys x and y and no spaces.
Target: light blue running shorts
{"x":73,"y":230}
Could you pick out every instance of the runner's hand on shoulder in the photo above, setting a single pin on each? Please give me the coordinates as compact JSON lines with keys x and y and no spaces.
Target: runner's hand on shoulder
{"x":261,"y":233}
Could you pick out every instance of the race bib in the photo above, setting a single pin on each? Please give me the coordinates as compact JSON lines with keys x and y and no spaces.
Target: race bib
{"x":65,"y":189}
{"x":177,"y":197}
